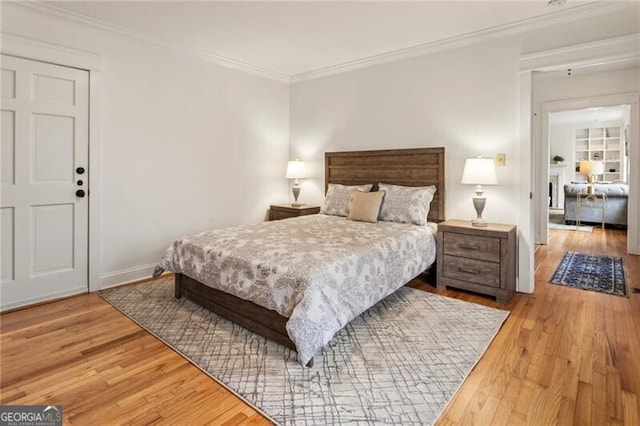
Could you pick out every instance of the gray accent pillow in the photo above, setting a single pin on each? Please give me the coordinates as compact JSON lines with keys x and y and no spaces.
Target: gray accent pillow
{"x":365,"y":206}
{"x":336,"y":202}
{"x":406,"y":204}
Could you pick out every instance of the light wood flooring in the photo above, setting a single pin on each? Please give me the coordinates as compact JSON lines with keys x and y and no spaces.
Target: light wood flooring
{"x":564,"y":356}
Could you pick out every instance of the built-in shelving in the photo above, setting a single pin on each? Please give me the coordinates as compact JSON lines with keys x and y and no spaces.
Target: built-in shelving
{"x":600,"y":144}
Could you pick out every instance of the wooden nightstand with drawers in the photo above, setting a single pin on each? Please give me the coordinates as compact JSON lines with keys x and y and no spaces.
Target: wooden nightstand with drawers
{"x":285,"y":211}
{"x":477,"y":259}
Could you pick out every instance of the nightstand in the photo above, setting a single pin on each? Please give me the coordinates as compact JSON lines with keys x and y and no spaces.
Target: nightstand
{"x":477,"y":259}
{"x":284,"y":211}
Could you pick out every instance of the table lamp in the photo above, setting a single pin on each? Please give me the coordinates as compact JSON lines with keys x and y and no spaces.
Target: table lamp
{"x":296,"y":169}
{"x":591,"y":169}
{"x":479,"y":171}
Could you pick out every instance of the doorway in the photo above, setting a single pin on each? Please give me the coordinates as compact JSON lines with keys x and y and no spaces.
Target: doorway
{"x":609,"y":75}
{"x":578,"y":139}
{"x":543,"y":155}
{"x":45,"y":186}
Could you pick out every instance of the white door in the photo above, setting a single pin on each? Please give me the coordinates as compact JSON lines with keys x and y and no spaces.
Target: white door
{"x":44,"y":157}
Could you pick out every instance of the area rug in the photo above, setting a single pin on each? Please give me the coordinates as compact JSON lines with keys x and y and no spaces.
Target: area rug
{"x":604,"y":274}
{"x":400,"y":362}
{"x":583,"y":228}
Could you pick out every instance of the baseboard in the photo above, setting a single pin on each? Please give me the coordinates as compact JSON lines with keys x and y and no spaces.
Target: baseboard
{"x":40,"y":299}
{"x":125,"y":276}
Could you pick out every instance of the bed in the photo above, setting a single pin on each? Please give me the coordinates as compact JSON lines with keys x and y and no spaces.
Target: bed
{"x":256,"y":275}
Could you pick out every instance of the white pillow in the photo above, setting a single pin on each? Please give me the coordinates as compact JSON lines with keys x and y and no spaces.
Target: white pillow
{"x":406,"y":204}
{"x":336,"y":202}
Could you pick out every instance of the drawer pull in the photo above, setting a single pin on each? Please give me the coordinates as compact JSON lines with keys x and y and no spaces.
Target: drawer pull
{"x":469,"y":247}
{"x":469,"y":271}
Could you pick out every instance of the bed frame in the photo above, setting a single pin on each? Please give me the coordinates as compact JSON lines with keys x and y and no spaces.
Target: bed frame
{"x":408,"y":167}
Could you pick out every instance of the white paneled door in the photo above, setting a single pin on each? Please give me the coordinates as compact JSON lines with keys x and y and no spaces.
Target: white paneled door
{"x":44,"y":157}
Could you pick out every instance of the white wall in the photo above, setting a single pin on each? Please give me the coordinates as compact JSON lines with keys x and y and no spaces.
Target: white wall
{"x":559,"y":86}
{"x":464,"y":99}
{"x":186,"y":145}
{"x":562,"y":143}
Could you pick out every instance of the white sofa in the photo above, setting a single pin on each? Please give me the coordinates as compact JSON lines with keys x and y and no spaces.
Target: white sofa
{"x":616,"y":206}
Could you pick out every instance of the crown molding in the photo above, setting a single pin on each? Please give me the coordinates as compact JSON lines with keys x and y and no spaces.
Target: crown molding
{"x":564,"y":16}
{"x":611,"y":50}
{"x":96,"y":23}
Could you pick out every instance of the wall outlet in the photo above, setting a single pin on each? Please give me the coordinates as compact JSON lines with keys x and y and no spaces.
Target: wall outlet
{"x":501,"y":160}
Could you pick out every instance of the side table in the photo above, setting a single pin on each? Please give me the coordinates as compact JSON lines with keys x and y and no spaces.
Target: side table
{"x":285,"y":211}
{"x":595,"y":201}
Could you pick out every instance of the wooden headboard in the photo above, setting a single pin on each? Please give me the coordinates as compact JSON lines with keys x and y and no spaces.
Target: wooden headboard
{"x":408,"y":167}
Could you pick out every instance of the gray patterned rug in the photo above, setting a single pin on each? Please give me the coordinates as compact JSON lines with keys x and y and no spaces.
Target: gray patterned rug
{"x":398,"y":363}
{"x":595,"y":272}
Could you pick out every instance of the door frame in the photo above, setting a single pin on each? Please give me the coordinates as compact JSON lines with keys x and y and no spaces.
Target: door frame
{"x":541,"y":207}
{"x":36,"y":50}
{"x":608,"y":51}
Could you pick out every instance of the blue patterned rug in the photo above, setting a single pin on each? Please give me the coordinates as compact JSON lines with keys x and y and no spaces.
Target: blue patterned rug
{"x":604,"y":274}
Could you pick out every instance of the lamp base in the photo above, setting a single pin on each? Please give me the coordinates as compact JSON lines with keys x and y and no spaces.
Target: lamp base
{"x":296,"y":194}
{"x":297,"y":204}
{"x":478,"y":204}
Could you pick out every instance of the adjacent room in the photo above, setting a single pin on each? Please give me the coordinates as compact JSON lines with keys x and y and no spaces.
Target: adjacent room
{"x":239,"y":212}
{"x":594,"y":137}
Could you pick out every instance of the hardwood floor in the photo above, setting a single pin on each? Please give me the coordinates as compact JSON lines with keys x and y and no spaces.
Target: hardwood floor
{"x":563,"y":356}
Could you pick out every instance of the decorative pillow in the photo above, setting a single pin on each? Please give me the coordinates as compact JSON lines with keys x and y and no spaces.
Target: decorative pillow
{"x":406,"y":204}
{"x":365,"y":206}
{"x":336,"y":202}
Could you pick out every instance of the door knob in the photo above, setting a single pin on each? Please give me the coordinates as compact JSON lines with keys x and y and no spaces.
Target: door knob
{"x":80,"y":193}
{"x":80,"y":170}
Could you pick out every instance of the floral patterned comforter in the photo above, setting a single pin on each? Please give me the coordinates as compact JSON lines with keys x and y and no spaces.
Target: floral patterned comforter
{"x":320,"y":271}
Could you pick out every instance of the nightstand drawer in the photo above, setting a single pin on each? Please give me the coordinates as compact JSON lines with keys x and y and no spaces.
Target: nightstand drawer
{"x":472,"y":246}
{"x":471,"y":270}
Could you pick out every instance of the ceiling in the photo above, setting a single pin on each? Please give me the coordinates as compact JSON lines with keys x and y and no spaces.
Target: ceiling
{"x":293,"y":38}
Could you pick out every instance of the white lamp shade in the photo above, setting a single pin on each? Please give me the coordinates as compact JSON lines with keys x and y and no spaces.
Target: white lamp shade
{"x":585,"y":168}
{"x":296,"y":169}
{"x":592,"y":167}
{"x":479,"y":171}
